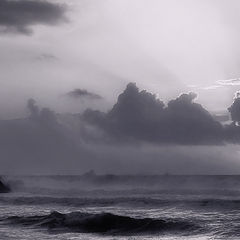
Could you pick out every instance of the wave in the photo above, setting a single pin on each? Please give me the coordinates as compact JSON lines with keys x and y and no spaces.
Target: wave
{"x":103,"y":223}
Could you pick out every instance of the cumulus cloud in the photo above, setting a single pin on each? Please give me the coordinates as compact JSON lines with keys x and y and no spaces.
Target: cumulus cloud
{"x":32,"y":107}
{"x":20,"y":16}
{"x":140,"y":116}
{"x":44,"y":116}
{"x":158,"y":137}
{"x":83,"y":94}
{"x":234,"y":109}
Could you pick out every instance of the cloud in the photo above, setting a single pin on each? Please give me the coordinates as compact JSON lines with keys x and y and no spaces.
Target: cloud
{"x":234,"y":109}
{"x":229,"y":82}
{"x":140,"y":116}
{"x":32,"y":107}
{"x":83,"y":94}
{"x":44,"y":116}
{"x":218,"y":84}
{"x":46,"y":57}
{"x":211,"y":87}
{"x":47,"y":142}
{"x":38,"y":142}
{"x":20,"y":16}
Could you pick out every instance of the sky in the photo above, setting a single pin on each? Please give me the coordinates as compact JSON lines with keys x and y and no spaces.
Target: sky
{"x":69,"y":56}
{"x":166,"y":47}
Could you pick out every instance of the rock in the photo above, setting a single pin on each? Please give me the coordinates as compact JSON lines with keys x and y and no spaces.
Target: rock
{"x":4,"y":188}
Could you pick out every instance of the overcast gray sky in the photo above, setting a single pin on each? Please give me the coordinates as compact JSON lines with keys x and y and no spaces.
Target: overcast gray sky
{"x":70,"y":55}
{"x":166,"y":47}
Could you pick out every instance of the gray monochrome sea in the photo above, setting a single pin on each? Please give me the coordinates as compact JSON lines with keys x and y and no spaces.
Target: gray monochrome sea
{"x":120,"y":207}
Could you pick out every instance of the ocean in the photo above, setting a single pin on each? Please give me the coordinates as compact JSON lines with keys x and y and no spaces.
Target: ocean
{"x":120,"y":207}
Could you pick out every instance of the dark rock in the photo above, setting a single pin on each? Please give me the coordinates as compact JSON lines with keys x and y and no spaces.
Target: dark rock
{"x":4,"y":188}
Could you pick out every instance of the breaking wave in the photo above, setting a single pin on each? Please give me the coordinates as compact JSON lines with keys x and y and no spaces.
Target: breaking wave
{"x":103,"y":223}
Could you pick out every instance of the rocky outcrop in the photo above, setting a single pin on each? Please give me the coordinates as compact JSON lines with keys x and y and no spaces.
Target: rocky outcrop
{"x":4,"y":188}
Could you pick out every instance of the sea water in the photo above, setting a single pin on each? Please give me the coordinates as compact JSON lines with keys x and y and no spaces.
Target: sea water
{"x":121,"y":207}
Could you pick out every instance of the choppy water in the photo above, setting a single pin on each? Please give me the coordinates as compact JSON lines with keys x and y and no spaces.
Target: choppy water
{"x":111,"y":207}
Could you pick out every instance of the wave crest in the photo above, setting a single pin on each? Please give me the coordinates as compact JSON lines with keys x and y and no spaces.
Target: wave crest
{"x":104,"y":223}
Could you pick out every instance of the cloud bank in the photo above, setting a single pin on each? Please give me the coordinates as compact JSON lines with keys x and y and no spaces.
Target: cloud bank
{"x":138,"y":130}
{"x":140,"y":116}
{"x":20,"y":16}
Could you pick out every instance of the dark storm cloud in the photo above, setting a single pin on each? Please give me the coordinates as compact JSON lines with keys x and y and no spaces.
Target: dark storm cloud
{"x":49,"y":142}
{"x":83,"y":94}
{"x":140,"y":116}
{"x":19,"y":16}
